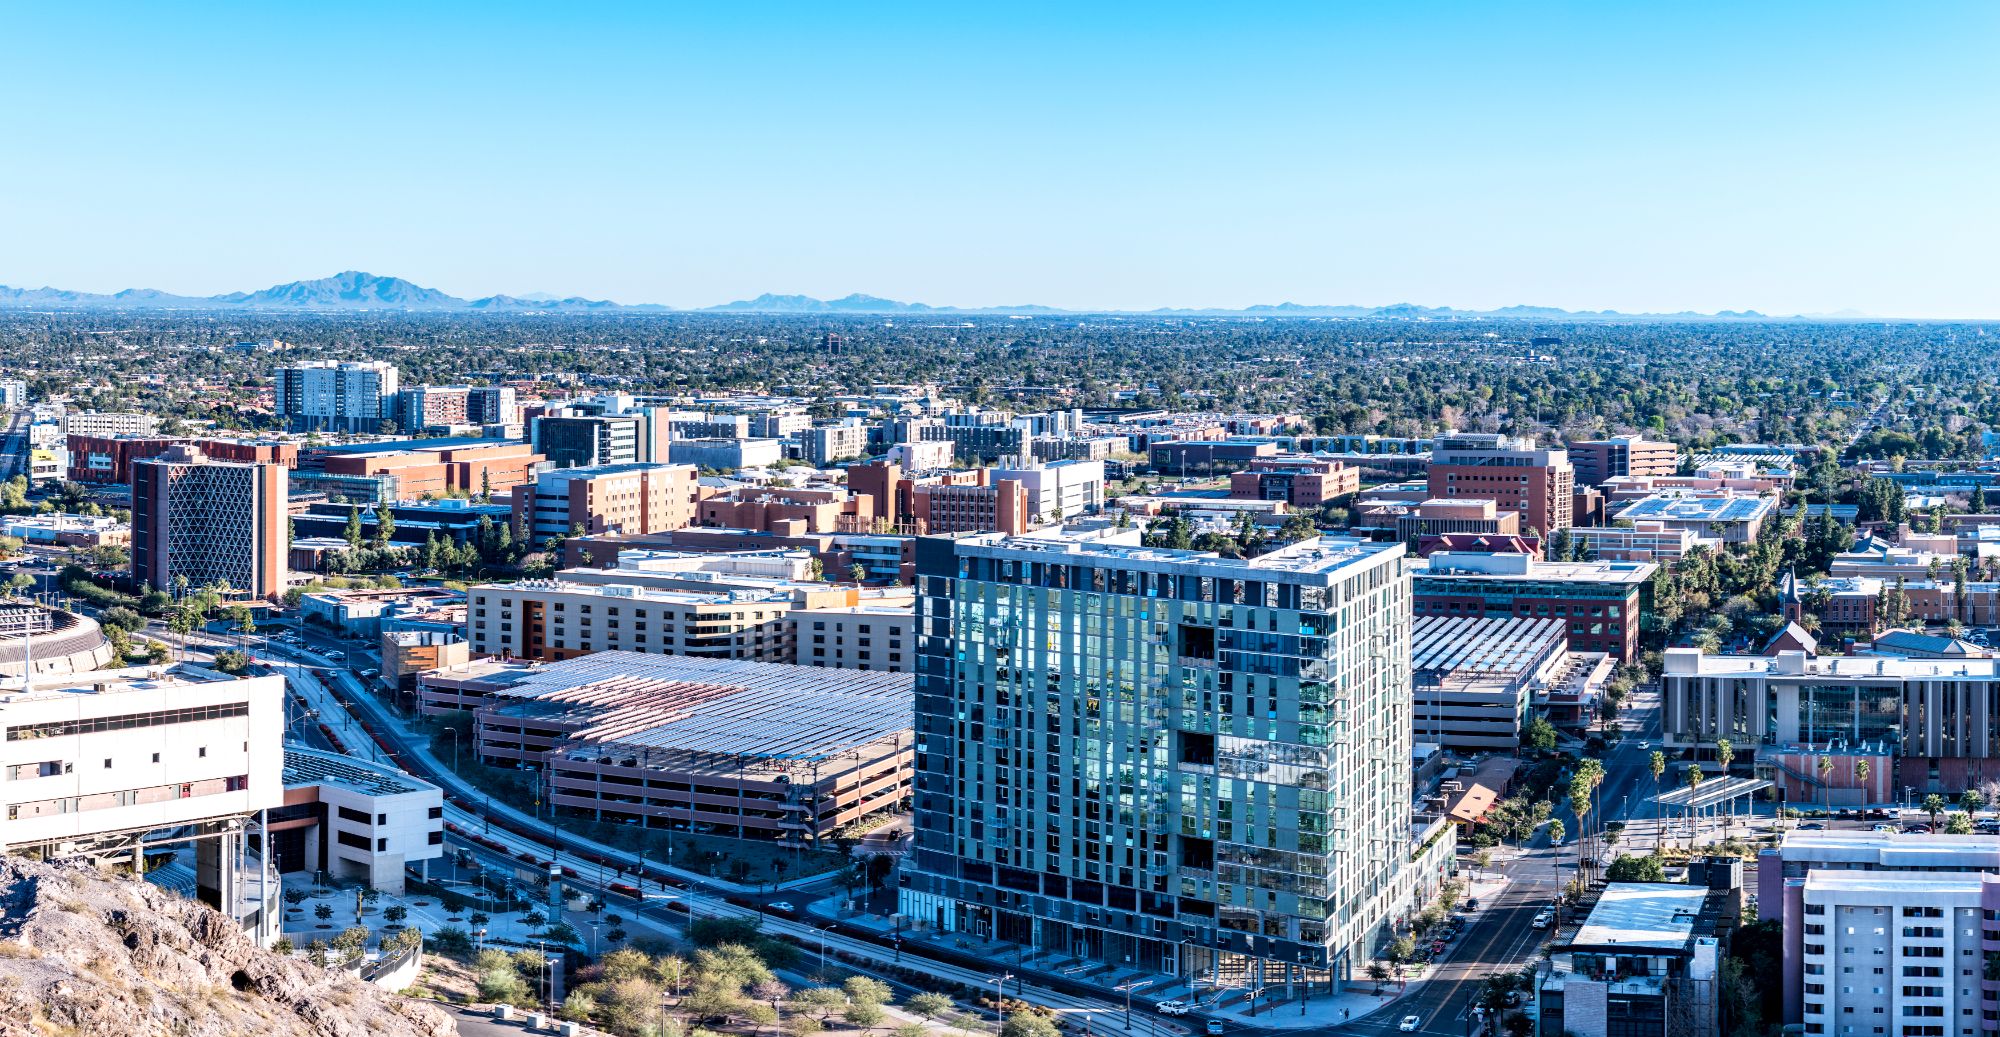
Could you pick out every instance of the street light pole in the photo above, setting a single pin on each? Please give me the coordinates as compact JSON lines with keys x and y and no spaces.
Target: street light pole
{"x":999,"y":1001}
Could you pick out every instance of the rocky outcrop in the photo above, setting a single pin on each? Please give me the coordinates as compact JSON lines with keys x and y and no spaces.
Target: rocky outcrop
{"x":85,"y":954}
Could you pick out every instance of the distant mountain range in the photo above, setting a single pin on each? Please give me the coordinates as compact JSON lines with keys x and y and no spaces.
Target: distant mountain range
{"x":353,"y":290}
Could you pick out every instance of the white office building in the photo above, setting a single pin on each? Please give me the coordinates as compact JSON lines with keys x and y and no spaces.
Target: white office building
{"x":113,"y":763}
{"x":1059,"y":489}
{"x":352,"y":819}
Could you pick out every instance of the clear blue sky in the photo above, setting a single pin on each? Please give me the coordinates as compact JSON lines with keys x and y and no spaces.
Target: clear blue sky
{"x":1776,"y":156}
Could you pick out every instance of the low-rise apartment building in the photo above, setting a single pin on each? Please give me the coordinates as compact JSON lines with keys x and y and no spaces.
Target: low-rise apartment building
{"x":859,"y":637}
{"x":626,"y":498}
{"x":554,"y":620}
{"x":108,"y":424}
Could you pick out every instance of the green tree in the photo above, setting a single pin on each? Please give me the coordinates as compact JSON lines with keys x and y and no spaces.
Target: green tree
{"x":1027,"y":1024}
{"x":927,"y":1006}
{"x":1628,"y":868}
{"x":1959,"y":823}
{"x":1971,"y":801}
{"x":352,"y":531}
{"x":1934,"y":805}
{"x":1539,"y":735}
{"x":385,"y":525}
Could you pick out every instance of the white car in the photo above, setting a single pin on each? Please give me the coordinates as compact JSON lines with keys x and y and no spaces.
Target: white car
{"x":782,"y":906}
{"x":1171,"y":1008}
{"x":1409,"y":1024}
{"x":1542,"y":920}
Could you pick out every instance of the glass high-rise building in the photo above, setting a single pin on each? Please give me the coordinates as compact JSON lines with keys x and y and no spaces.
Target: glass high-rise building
{"x":1189,"y":763}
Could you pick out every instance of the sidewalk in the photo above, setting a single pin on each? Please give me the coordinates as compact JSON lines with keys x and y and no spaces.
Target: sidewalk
{"x":1282,"y":1007}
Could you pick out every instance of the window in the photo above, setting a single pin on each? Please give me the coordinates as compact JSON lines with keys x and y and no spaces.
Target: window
{"x":356,"y":816}
{"x":350,"y":839}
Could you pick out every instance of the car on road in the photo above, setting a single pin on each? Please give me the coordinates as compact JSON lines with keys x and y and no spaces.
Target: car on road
{"x":1213,"y":1026}
{"x":1543,"y":919}
{"x":1916,"y":829}
{"x":1472,"y":904}
{"x":1409,"y":1024}
{"x":1171,"y":1007}
{"x":783,"y":907}
{"x":1885,"y":828}
{"x":1814,"y":826}
{"x":371,"y":672}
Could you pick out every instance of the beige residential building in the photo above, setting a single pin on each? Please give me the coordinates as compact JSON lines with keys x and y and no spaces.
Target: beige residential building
{"x":859,"y":637}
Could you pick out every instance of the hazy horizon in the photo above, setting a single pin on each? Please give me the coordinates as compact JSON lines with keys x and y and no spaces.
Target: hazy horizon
{"x":1788,"y":158}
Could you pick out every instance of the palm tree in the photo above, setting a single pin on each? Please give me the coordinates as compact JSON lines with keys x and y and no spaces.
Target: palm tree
{"x":1971,"y":800}
{"x":1725,"y":754}
{"x":1658,"y":765}
{"x":1556,"y":833}
{"x":1934,"y":805}
{"x":1861,"y":768}
{"x":1579,"y":804}
{"x":1825,"y":766}
{"x":1694,"y":780}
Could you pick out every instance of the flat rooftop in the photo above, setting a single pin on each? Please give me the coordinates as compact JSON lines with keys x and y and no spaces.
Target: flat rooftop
{"x":397,"y":446}
{"x":1680,"y":508}
{"x":313,"y":767}
{"x":593,"y":471}
{"x":1460,"y":565}
{"x":1901,"y":883}
{"x":114,"y":682}
{"x":731,"y":592}
{"x":1858,"y":667}
{"x":720,"y":707}
{"x":1894,"y":851}
{"x":1657,"y":915}
{"x":1511,"y":645}
{"x":1315,"y":556}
